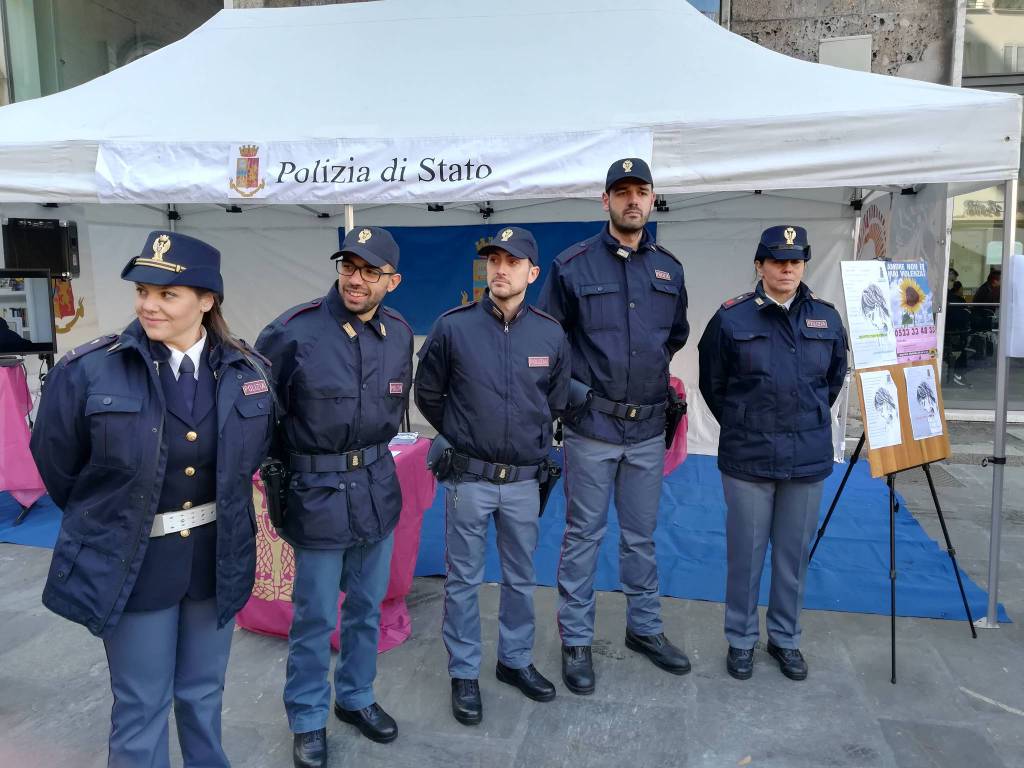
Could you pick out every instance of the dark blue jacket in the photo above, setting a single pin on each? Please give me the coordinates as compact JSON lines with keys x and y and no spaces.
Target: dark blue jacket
{"x":493,"y":388}
{"x":101,"y":448}
{"x":625,"y":315}
{"x":770,"y":377}
{"x":342,"y":385}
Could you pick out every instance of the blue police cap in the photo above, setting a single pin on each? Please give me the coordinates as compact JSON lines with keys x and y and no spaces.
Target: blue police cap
{"x":172,"y":259}
{"x":628,"y":168}
{"x":783,"y":242}
{"x":375,"y":245}
{"x":516,"y":240}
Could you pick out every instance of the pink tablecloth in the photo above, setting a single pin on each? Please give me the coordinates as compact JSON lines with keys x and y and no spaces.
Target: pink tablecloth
{"x":270,"y":609}
{"x":18,"y":474}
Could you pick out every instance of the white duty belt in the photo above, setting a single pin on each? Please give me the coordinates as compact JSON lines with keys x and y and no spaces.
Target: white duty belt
{"x":179,"y":520}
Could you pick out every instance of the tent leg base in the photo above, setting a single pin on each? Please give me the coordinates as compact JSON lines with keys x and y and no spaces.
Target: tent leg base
{"x":984,"y":623}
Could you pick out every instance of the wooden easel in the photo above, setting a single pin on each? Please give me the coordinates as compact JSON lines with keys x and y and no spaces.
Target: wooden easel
{"x":908,"y":454}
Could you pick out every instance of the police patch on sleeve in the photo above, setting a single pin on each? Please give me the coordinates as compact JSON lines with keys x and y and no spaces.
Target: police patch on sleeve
{"x":395,"y":387}
{"x":539,"y":362}
{"x":811,"y":323}
{"x":254,"y":387}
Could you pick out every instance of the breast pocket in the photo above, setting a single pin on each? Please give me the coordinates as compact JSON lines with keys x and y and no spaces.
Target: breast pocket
{"x":329,"y":414}
{"x":664,"y":301}
{"x":599,"y":306}
{"x":113,"y":429}
{"x":753,"y":350}
{"x":254,"y":425}
{"x":816,"y":350}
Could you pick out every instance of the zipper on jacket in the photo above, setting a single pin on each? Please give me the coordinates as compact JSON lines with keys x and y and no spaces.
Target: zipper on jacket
{"x":508,"y":383}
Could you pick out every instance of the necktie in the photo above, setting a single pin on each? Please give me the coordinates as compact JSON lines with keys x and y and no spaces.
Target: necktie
{"x":187,"y":381}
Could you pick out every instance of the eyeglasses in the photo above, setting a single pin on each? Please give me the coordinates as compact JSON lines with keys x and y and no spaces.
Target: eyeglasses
{"x":369,"y":274}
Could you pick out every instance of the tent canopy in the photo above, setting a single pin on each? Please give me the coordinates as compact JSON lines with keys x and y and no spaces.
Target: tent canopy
{"x":525,"y":98}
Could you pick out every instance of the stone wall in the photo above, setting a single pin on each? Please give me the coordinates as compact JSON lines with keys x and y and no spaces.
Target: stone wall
{"x":910,"y":38}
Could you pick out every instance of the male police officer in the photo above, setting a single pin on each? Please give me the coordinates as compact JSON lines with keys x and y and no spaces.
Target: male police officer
{"x":344,"y":368}
{"x":622,"y":301}
{"x":772,"y":363}
{"x":493,"y":375}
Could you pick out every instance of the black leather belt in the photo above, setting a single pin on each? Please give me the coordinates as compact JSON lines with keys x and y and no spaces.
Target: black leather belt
{"x":628,"y":411}
{"x":336,"y":462}
{"x":496,"y":473}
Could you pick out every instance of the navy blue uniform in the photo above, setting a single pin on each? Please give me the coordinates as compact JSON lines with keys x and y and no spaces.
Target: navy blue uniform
{"x":770,"y":377}
{"x":102,"y":441}
{"x":342,"y":385}
{"x":493,"y":388}
{"x":624,"y":312}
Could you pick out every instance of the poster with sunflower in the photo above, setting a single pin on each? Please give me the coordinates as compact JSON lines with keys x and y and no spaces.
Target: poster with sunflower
{"x":912,"y":312}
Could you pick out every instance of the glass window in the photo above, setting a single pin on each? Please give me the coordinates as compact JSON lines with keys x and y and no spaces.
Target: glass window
{"x":58,"y":44}
{"x":994,"y":37}
{"x":710,"y":8}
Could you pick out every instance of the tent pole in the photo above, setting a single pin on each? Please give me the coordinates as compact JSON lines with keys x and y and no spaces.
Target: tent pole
{"x":171,"y":219}
{"x":350,"y":218}
{"x":998,"y":459}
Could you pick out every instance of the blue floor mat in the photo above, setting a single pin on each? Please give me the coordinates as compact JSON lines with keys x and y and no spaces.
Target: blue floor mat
{"x":850,"y":570}
{"x":38,"y":529}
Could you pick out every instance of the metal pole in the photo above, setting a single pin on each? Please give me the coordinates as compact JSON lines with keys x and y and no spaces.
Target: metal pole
{"x":350,"y":218}
{"x":998,"y":459}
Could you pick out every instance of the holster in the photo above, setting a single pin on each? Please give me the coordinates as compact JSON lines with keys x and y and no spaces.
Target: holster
{"x":674,"y":413}
{"x":550,"y":472}
{"x":579,"y":398}
{"x":275,"y":476}
{"x":439,"y":458}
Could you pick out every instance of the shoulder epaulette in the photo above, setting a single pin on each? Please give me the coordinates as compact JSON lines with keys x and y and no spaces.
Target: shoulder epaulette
{"x":396,"y":316}
{"x":543,"y":314}
{"x":296,"y":311}
{"x":737,"y":300}
{"x":91,"y":346}
{"x":666,"y":251}
{"x":822,"y":301}
{"x":575,"y":250}
{"x":459,"y":308}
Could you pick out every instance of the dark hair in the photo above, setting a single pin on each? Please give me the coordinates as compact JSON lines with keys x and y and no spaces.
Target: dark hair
{"x":216,"y":325}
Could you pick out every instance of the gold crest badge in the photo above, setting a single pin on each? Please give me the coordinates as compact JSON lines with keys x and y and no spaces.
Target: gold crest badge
{"x":790,"y":235}
{"x":627,"y":165}
{"x":161,"y":246}
{"x":506,"y":235}
{"x":364,"y":235}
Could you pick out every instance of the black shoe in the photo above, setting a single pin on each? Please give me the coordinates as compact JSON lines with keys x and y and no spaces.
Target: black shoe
{"x":740,"y":662}
{"x":372,"y":721}
{"x":466,"y":704}
{"x":528,"y":680}
{"x":791,"y":661}
{"x":310,"y":749}
{"x":578,"y":669}
{"x":658,"y":649}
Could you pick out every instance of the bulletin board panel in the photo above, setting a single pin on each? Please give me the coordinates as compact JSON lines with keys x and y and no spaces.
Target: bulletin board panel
{"x":909,"y":452}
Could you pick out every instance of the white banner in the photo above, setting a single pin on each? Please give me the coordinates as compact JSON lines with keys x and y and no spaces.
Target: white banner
{"x":366,"y":170}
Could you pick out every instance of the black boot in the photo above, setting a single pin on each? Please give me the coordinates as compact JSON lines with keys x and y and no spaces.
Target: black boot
{"x":791,"y":661}
{"x":466,"y":704}
{"x":740,"y":663}
{"x":528,"y":680}
{"x":310,"y":750}
{"x":658,"y":649}
{"x":372,"y":721}
{"x":578,"y":669}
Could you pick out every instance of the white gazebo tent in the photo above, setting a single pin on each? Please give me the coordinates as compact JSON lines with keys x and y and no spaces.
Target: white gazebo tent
{"x":527,"y":99}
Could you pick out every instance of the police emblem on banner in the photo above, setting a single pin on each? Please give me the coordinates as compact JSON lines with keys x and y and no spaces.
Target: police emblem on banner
{"x":245,"y":180}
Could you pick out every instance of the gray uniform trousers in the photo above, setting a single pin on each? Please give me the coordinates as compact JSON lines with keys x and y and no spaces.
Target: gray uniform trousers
{"x":785,"y":512}
{"x":593,"y":469}
{"x":468,"y":506}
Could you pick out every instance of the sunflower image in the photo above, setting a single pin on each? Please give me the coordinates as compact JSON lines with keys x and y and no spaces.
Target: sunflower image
{"x":912,"y":296}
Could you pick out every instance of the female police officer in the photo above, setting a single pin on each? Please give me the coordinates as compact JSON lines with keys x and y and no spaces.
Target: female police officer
{"x":147,"y":440}
{"x":772,"y":363}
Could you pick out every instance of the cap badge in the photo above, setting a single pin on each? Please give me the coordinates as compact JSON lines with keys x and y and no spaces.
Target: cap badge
{"x":627,"y":165}
{"x":161,"y":246}
{"x":506,"y":235}
{"x":364,"y":235}
{"x":790,"y":235}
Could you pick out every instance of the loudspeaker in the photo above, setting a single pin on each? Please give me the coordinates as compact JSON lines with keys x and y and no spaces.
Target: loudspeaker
{"x":42,"y":244}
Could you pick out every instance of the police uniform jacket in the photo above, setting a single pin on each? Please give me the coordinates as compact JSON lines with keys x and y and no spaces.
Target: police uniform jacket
{"x":342,"y":385}
{"x":770,"y":377}
{"x":625,"y":315}
{"x":493,"y":388}
{"x":102,"y":442}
